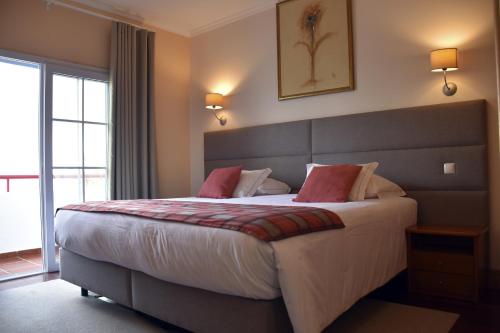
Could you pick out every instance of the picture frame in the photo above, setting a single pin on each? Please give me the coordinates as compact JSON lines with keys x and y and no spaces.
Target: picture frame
{"x":315,"y":47}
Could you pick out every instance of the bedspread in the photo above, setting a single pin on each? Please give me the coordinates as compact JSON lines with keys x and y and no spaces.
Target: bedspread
{"x":267,"y":223}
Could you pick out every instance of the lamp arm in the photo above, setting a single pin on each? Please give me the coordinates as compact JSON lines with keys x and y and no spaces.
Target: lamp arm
{"x":222,"y":120}
{"x":445,"y":80}
{"x":449,"y":88}
{"x":216,"y":115}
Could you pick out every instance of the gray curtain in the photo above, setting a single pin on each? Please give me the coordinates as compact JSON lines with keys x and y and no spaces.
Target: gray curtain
{"x":133,"y":161}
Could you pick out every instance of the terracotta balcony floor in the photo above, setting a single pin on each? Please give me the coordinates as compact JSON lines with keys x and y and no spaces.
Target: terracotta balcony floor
{"x":20,"y":263}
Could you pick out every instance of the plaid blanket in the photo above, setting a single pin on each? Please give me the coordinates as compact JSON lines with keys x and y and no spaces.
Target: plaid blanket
{"x":267,"y":223}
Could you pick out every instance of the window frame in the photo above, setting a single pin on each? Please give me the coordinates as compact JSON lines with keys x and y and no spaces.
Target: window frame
{"x":48,"y":177}
{"x":83,"y":167}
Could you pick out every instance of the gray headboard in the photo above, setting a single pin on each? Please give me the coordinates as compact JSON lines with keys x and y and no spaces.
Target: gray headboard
{"x":411,"y":145}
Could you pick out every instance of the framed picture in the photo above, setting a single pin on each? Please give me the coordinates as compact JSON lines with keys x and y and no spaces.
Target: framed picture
{"x":315,"y":53}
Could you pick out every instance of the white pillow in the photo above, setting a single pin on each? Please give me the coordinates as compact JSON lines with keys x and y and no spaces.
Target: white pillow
{"x":380,"y":187}
{"x":250,"y":180}
{"x":359,"y":188}
{"x":272,"y":186}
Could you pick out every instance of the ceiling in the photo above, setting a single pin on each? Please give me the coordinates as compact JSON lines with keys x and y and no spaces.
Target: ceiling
{"x":185,"y":17}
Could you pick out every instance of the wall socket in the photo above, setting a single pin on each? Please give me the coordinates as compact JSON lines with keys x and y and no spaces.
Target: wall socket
{"x":449,"y":168}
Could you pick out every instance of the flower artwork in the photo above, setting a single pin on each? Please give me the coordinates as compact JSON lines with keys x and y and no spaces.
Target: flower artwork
{"x":309,"y":25}
{"x":314,"y":47}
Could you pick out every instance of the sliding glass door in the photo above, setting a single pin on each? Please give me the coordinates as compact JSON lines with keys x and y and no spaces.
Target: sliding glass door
{"x":20,"y":222}
{"x":76,"y":125}
{"x":60,"y":148}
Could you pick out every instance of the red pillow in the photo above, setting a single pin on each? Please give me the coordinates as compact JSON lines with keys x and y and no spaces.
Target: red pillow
{"x":329,"y":183}
{"x":220,"y":183}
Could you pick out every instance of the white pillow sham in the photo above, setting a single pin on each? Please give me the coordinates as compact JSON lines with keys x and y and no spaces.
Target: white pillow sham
{"x":359,"y":188}
{"x":250,"y":180}
{"x":272,"y":186}
{"x":380,"y":187}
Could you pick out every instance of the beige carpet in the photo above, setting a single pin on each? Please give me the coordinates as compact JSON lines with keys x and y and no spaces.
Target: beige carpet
{"x":56,"y":306}
{"x":372,"y":316}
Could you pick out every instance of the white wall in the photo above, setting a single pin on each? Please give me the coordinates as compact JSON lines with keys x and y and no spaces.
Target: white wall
{"x":392,"y":40}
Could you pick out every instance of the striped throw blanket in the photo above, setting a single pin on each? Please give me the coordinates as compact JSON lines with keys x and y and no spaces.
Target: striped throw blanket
{"x":267,"y":223}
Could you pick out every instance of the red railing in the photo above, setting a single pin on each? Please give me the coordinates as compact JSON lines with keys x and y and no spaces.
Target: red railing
{"x":9,"y":177}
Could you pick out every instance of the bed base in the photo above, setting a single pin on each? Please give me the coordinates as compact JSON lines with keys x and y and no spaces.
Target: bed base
{"x":193,"y":309}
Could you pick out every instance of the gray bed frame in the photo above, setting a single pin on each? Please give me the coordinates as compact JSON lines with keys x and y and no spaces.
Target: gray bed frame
{"x":411,"y":145}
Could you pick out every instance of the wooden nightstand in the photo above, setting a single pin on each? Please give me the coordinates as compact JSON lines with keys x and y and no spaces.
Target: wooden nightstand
{"x":446,"y":261}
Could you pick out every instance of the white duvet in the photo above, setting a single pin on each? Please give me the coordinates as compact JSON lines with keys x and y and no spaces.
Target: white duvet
{"x":319,"y":275}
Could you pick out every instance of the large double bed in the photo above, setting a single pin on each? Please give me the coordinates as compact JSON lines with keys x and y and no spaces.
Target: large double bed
{"x":216,"y":280}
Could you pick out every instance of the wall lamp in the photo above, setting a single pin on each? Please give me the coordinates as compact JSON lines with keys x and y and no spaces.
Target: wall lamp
{"x":445,"y":60}
{"x":214,"y":103}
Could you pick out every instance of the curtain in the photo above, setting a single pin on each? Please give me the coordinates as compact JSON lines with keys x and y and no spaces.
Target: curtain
{"x":133,"y":161}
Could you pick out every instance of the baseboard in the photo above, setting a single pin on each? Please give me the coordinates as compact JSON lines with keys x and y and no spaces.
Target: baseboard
{"x":494,"y":279}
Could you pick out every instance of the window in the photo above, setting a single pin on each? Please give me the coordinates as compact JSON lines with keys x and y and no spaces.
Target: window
{"x":79,"y":139}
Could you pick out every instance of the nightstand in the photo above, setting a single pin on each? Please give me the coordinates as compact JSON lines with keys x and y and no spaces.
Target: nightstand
{"x":446,"y":261}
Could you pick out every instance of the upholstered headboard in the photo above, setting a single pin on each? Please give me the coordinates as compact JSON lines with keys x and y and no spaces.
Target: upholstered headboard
{"x":411,"y":145}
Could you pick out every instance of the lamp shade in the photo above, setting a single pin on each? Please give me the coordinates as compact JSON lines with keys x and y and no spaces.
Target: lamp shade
{"x":444,"y":60}
{"x":213,"y":101}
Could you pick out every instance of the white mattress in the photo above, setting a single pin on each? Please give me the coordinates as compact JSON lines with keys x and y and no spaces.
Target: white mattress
{"x":319,"y":275}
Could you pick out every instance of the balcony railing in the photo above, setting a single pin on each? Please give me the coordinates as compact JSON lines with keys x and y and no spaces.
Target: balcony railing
{"x":8,"y":178}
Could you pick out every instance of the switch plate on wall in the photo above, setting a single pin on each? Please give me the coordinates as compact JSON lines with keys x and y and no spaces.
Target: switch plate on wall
{"x":449,"y":168}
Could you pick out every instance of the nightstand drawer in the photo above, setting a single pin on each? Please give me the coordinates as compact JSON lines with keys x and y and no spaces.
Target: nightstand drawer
{"x":444,"y":284}
{"x":453,"y":263}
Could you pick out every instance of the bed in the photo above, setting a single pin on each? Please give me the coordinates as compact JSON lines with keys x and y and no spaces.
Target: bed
{"x":224,"y":261}
{"x":223,"y":281}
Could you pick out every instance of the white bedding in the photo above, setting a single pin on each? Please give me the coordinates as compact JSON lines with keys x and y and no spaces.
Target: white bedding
{"x":319,"y":275}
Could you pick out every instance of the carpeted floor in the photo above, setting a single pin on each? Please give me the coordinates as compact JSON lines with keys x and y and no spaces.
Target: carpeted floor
{"x":372,"y":316}
{"x":56,"y":306}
